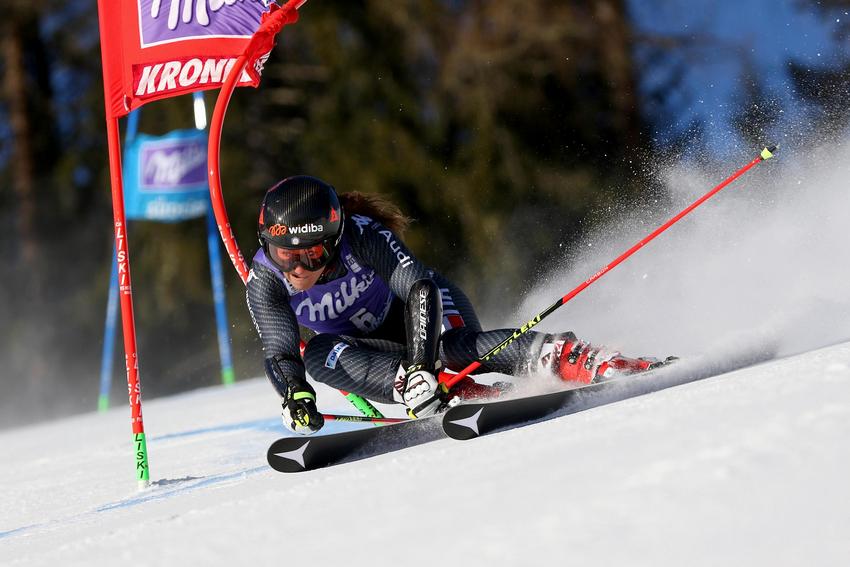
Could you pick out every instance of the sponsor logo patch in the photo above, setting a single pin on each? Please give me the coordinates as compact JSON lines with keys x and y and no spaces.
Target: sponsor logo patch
{"x":352,"y":263}
{"x":308,"y":228}
{"x":361,"y":221}
{"x":333,"y":304}
{"x":403,"y":259}
{"x":181,"y":74}
{"x":423,"y":314}
{"x":172,"y":164}
{"x":334,"y":355}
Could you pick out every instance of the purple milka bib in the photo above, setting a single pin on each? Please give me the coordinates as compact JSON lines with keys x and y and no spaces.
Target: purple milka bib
{"x":355,"y":304}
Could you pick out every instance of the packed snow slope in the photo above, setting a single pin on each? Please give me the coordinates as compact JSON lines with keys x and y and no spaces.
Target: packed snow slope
{"x":746,"y":468}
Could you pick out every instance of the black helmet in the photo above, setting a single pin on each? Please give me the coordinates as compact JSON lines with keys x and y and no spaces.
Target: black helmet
{"x":300,"y":221}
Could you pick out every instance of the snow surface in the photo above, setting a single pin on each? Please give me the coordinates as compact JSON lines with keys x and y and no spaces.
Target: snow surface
{"x":747,"y":468}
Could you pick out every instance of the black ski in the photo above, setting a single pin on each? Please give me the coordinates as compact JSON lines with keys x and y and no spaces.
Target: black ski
{"x":297,"y":454}
{"x":468,"y":421}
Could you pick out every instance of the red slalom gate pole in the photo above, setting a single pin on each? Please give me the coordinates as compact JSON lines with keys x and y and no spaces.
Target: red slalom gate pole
{"x":213,"y":169}
{"x":214,"y":142}
{"x":449,"y":380}
{"x":125,"y":292}
{"x":214,"y":172}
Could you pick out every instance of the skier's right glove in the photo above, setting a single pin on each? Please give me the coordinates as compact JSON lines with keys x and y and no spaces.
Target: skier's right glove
{"x":298,"y":398}
{"x":300,"y":414}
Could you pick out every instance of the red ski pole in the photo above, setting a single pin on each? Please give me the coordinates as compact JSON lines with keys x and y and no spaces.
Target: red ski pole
{"x":449,"y":380}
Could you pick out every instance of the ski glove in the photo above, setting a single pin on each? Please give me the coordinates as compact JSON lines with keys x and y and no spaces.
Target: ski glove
{"x":300,"y":414}
{"x":419,"y":391}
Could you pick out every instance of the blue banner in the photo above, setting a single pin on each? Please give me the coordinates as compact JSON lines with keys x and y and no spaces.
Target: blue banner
{"x":165,"y":177}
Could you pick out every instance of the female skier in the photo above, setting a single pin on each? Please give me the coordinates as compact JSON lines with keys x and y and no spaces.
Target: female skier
{"x":385,"y":323}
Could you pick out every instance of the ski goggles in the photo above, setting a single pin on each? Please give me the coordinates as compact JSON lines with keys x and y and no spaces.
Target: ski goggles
{"x":311,"y":258}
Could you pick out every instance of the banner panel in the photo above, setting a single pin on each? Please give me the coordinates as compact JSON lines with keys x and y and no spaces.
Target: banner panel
{"x":153,"y":49}
{"x":165,"y":177}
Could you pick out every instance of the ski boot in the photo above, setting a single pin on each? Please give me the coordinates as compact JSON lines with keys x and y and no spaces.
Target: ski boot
{"x":573,"y":360}
{"x":468,"y":389}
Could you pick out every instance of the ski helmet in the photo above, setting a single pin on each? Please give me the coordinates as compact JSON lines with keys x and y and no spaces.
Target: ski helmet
{"x":300,"y":222}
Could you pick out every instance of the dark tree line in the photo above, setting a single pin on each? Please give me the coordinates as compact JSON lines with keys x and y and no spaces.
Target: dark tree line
{"x":502,"y":127}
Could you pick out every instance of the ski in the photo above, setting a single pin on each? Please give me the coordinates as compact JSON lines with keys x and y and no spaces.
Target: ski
{"x":298,"y":454}
{"x":467,"y":421}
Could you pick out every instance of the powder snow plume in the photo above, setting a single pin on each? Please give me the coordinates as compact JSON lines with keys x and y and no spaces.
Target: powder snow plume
{"x":763,"y":262}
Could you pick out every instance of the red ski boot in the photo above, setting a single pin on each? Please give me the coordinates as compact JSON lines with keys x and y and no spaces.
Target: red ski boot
{"x":468,"y":389}
{"x":577,"y":361}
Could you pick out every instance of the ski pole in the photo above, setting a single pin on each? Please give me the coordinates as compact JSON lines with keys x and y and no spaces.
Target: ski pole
{"x":447,"y":381}
{"x":363,"y":418}
{"x":362,"y":404}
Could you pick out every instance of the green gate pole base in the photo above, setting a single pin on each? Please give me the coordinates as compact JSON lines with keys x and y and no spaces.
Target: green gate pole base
{"x":142,"y":469}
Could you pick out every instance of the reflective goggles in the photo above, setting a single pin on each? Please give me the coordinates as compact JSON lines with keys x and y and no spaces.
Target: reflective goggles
{"x":311,"y":258}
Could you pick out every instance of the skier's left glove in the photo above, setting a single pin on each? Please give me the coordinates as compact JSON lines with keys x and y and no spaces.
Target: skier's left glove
{"x":419,"y":391}
{"x":300,"y":413}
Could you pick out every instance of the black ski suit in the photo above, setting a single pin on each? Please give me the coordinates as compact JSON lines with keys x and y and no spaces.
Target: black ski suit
{"x":366,"y":358}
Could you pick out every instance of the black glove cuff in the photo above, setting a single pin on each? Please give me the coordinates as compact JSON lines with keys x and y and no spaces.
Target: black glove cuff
{"x":286,"y":383}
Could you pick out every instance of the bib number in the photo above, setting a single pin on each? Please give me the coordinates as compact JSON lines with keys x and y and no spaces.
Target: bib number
{"x":364,"y":320}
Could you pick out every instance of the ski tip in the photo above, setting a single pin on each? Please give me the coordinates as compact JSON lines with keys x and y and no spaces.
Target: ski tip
{"x":769,"y":151}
